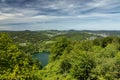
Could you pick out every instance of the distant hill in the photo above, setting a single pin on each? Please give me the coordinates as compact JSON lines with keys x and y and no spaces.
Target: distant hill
{"x":46,"y":35}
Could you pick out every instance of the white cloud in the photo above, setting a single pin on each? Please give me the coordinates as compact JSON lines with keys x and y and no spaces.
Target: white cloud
{"x":98,"y":3}
{"x":4,"y":16}
{"x":13,"y":18}
{"x":68,"y":9}
{"x":103,"y":4}
{"x":18,"y":15}
{"x":5,"y":28}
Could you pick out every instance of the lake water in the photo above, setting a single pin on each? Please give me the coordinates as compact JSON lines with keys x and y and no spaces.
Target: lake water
{"x":43,"y":57}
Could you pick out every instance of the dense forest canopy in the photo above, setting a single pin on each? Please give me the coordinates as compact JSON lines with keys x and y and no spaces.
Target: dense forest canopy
{"x":70,"y":59}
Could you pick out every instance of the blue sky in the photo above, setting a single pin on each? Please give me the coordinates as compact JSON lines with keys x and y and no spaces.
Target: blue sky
{"x":59,"y":14}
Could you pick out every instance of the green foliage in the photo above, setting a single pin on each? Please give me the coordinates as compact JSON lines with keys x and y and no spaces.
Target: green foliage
{"x":85,"y":45}
{"x":97,"y":59}
{"x":117,"y":64}
{"x":65,"y":66}
{"x":58,"y":48}
{"x":86,"y":60}
{"x":14,"y":64}
{"x":82,"y":69}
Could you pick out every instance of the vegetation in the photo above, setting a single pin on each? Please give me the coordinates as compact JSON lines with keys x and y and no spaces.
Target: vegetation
{"x":14,"y":64}
{"x":70,"y":59}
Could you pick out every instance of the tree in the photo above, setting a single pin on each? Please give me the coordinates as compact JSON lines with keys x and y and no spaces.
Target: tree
{"x":85,"y":45}
{"x":58,"y":48}
{"x":65,"y":66}
{"x":82,"y":66}
{"x":15,"y":64}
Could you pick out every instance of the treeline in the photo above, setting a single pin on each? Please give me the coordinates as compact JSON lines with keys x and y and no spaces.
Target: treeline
{"x":106,"y":32}
{"x":38,"y":41}
{"x":97,"y":59}
{"x":39,"y":36}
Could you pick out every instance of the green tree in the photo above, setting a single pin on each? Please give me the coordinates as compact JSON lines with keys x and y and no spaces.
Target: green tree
{"x":65,"y":66}
{"x":58,"y":48}
{"x":15,"y":65}
{"x":83,"y":63}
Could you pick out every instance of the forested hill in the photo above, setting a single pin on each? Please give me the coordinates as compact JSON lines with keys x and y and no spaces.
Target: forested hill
{"x":106,"y":32}
{"x":33,"y":36}
{"x":37,"y":41}
{"x":74,"y":55}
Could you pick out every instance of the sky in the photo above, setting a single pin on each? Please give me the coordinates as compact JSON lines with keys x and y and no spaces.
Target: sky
{"x":59,"y":15}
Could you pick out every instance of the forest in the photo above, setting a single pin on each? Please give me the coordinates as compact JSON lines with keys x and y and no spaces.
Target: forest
{"x":74,"y":55}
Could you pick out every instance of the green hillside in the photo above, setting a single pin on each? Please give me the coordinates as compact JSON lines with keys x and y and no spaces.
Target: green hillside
{"x":73,"y":56}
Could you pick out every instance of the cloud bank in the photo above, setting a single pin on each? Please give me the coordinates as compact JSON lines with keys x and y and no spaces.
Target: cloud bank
{"x":59,"y":14}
